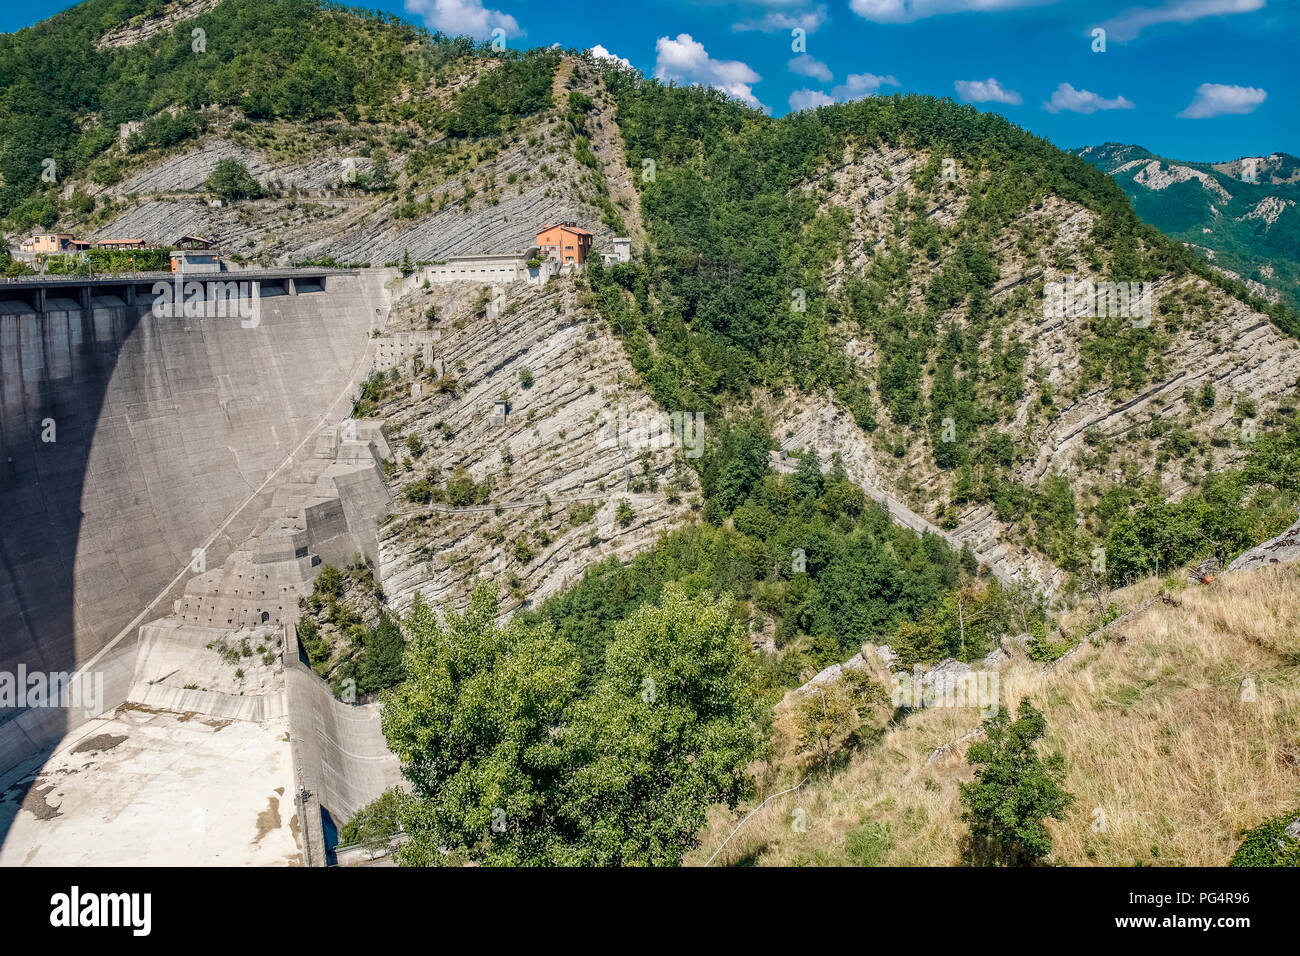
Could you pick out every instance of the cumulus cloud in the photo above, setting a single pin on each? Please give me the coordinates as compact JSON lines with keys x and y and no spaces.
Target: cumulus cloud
{"x":987,"y":91}
{"x":462,"y":18}
{"x":1068,"y":98}
{"x":905,"y":11}
{"x":776,"y":21}
{"x":806,"y":65}
{"x":600,"y":53}
{"x":1130,"y":23}
{"x":1218,"y":99}
{"x":858,"y":85}
{"x":685,"y":60}
{"x":809,"y":99}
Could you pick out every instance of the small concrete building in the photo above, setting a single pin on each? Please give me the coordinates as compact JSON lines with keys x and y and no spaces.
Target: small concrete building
{"x":192,"y":261}
{"x":622,"y":251}
{"x":490,"y":269}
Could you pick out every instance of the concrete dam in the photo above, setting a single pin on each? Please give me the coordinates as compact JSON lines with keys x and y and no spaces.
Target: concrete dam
{"x":141,"y":448}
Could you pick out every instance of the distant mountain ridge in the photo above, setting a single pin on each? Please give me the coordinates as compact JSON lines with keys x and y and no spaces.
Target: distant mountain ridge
{"x":1242,"y":215}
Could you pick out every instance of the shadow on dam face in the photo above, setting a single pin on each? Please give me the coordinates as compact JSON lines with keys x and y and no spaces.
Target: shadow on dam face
{"x":135,"y":450}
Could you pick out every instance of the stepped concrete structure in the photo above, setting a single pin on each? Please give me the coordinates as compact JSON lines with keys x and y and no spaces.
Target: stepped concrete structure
{"x":172,"y":478}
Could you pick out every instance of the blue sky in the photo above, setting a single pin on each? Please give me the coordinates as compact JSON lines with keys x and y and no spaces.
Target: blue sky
{"x":1190,"y":79}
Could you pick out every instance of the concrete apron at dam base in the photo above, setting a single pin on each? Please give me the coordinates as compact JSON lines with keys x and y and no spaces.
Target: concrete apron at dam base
{"x":199,"y":469}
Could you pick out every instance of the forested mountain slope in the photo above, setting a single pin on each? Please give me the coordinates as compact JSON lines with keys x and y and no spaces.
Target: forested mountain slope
{"x":1240,"y":215}
{"x":902,"y":254}
{"x":339,"y":136}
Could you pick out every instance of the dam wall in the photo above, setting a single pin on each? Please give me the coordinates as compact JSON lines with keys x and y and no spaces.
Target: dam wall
{"x":137,"y":450}
{"x":341,"y":758}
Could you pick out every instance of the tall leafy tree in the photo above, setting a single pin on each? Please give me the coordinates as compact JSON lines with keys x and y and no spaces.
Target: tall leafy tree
{"x":1015,"y":789}
{"x":478,"y":728}
{"x":668,"y":732}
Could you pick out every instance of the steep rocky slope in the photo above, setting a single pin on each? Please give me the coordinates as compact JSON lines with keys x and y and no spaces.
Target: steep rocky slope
{"x":558,"y":466}
{"x":1199,"y":337}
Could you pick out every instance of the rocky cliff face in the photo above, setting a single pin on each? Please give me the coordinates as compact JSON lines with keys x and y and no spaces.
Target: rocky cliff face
{"x":578,"y":439}
{"x":141,"y":28}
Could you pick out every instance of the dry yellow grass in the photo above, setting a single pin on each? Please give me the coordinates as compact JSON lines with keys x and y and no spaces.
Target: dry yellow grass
{"x":1167,"y":756}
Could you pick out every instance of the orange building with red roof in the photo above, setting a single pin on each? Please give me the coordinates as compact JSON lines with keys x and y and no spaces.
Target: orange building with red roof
{"x":565,"y":242}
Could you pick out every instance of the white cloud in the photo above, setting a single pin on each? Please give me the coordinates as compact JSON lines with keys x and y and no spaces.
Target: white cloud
{"x":987,"y":91}
{"x":905,"y":11}
{"x":809,"y":99}
{"x":685,"y":60}
{"x":1218,"y":99}
{"x":858,"y":85}
{"x":463,"y":17}
{"x":600,"y":53}
{"x":1130,"y":23}
{"x":810,"y":21}
{"x":1068,"y":98}
{"x":806,"y":65}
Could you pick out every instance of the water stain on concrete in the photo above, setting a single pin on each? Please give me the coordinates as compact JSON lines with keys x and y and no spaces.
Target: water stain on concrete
{"x":97,"y":743}
{"x":268,"y":819}
{"x":36,"y":804}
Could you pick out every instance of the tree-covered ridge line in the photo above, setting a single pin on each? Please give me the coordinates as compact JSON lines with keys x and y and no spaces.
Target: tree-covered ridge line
{"x":734,"y":232}
{"x":62,"y":98}
{"x":739,"y":213}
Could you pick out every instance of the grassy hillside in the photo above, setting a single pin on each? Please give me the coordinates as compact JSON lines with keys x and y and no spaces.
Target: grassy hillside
{"x":1249,"y":228}
{"x":1178,"y":732}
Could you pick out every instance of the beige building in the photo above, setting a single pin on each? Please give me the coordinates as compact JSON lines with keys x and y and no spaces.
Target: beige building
{"x":196,"y":261}
{"x":54,"y":242}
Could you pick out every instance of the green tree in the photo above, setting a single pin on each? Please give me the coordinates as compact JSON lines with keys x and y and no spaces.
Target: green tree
{"x":230,"y":180}
{"x":374,"y":823}
{"x":919,"y":643}
{"x":624,"y":513}
{"x":1014,"y":790}
{"x":668,"y":731}
{"x":479,"y":728}
{"x":807,"y":479}
{"x":510,"y":765}
{"x":381,"y":661}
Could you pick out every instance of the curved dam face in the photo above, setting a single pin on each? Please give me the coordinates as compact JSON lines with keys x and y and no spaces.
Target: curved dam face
{"x":136,"y":450}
